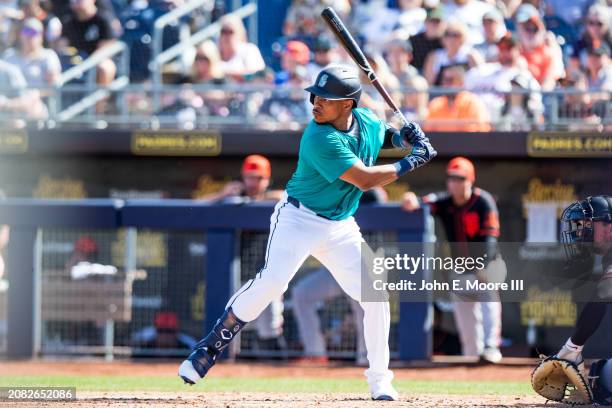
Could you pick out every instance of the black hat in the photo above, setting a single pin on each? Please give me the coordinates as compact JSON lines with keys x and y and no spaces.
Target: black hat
{"x":336,"y":82}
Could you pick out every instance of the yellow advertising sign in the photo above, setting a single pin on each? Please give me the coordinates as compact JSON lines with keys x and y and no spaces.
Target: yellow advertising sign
{"x":176,"y":143}
{"x":13,"y":141}
{"x":564,"y":144}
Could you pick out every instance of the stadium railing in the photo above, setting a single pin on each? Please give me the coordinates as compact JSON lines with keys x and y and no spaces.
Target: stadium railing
{"x":89,"y":93}
{"x":263,"y":106}
{"x":160,"y":58}
{"x":165,"y":270}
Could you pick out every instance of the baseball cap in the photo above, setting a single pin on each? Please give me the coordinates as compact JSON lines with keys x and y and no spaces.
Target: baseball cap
{"x":166,"y":321}
{"x":461,"y":167}
{"x":258,"y":165}
{"x":86,"y":244}
{"x":493,"y":14}
{"x":527,"y":12}
{"x":299,"y":51}
{"x":435,"y":14}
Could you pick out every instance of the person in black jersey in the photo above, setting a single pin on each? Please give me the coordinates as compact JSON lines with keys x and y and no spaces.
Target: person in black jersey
{"x":469,"y":215}
{"x":89,"y":30}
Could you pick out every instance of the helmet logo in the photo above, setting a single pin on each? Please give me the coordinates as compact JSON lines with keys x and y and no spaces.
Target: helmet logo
{"x":322,"y":81}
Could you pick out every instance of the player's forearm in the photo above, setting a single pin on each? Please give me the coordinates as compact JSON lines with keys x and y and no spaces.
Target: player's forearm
{"x":378,"y":176}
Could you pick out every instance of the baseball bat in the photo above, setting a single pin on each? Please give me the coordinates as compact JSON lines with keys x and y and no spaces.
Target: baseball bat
{"x":348,"y":42}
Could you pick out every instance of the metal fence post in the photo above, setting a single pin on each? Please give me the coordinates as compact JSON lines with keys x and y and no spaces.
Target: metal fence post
{"x":416,"y":318}
{"x":21,"y":293}
{"x":221,"y":245}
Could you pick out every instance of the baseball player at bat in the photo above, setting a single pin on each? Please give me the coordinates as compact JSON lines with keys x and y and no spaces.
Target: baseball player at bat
{"x":336,"y":160}
{"x":586,"y":229}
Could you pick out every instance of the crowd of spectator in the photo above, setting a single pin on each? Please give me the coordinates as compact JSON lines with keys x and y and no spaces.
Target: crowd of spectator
{"x":450,"y":63}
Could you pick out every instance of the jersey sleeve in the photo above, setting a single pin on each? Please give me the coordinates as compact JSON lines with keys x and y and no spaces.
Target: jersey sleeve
{"x":327,"y":154}
{"x":489,"y":218}
{"x":433,"y":201}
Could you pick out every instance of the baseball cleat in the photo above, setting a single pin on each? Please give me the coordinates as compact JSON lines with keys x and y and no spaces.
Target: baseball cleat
{"x":196,"y":366}
{"x":491,"y":355}
{"x":188,"y":373}
{"x":384,"y":398}
{"x":383,"y":391}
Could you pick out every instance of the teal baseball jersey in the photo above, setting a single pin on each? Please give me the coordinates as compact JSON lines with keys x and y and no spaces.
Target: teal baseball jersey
{"x":325,"y":154}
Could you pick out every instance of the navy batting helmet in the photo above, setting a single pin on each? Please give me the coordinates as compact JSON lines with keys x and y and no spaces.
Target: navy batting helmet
{"x":577,"y":223}
{"x":336,"y":82}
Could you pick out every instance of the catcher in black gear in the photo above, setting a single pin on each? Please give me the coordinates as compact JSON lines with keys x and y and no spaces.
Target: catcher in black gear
{"x":586,"y":229}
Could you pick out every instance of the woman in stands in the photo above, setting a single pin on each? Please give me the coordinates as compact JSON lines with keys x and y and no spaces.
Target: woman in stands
{"x":238,"y":56}
{"x":456,"y":52}
{"x":596,"y":29}
{"x":207,"y":69}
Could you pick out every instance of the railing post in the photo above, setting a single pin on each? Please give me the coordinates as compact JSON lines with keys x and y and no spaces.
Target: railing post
{"x":125,"y":67}
{"x":253,"y":33}
{"x":91,"y":87}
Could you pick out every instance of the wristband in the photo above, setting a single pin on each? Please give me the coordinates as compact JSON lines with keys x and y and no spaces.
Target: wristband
{"x":403,"y":166}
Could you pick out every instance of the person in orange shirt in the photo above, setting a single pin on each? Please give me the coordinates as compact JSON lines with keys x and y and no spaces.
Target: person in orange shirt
{"x":457,"y":112}
{"x":539,"y":47}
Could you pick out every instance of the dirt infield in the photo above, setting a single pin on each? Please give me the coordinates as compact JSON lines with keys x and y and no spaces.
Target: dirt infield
{"x":282,"y":398}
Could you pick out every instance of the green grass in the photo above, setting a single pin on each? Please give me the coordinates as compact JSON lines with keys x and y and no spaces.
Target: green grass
{"x":324,"y":385}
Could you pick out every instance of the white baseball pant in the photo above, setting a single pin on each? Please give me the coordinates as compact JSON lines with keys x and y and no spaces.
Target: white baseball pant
{"x":296,"y":233}
{"x":478,"y":323}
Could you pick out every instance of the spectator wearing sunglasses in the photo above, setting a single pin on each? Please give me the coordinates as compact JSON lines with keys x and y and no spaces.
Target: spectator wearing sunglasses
{"x":239,"y":57}
{"x":429,"y":39}
{"x":493,"y":82}
{"x":40,"y":66}
{"x":206,"y":69}
{"x":470,"y":13}
{"x":494,"y":29}
{"x":459,"y":111}
{"x":598,"y":68}
{"x":539,"y":47}
{"x":456,"y":51}
{"x":596,"y":30}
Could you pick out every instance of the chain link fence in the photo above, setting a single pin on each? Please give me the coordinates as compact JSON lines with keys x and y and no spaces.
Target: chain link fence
{"x":141,"y":292}
{"x":125,"y":291}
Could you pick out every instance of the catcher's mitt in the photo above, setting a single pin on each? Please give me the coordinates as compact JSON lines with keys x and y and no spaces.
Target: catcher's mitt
{"x":561,"y":380}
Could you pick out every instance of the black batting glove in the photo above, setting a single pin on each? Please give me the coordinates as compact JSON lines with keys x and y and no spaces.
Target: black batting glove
{"x":412,"y":132}
{"x":422,"y":150}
